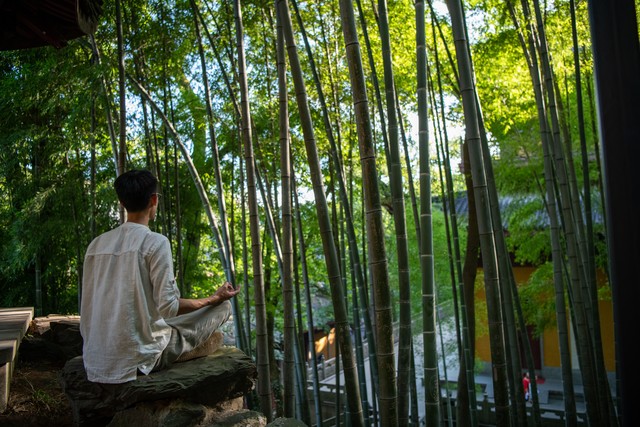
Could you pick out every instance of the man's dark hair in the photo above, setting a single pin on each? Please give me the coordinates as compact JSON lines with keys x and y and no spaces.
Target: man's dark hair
{"x":134,"y":189}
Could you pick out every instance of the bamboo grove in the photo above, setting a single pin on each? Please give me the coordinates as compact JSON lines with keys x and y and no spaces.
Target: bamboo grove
{"x":319,"y":151}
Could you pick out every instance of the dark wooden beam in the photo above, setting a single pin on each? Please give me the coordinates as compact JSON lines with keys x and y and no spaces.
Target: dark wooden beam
{"x":616,"y":54}
{"x":33,"y":23}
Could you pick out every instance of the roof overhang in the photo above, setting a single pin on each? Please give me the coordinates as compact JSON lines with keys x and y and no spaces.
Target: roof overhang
{"x":27,"y":24}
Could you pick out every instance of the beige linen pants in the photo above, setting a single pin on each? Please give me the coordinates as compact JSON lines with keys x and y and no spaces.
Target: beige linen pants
{"x":189,"y":330}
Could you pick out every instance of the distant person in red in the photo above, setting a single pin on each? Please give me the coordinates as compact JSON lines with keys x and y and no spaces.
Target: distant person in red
{"x":525,"y":384}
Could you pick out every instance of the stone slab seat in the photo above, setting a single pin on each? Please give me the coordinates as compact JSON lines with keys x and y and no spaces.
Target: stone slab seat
{"x":224,"y":375}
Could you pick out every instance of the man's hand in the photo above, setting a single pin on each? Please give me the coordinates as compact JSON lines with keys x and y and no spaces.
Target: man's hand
{"x":226,"y":292}
{"x":222,"y":294}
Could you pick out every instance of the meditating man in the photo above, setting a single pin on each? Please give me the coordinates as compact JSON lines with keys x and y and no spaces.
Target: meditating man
{"x":132,"y":318}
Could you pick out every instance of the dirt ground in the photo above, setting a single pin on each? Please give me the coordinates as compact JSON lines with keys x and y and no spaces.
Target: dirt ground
{"x":35,"y":397}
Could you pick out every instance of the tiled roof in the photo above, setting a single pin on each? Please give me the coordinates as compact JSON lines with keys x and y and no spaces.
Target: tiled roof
{"x":537,"y":215}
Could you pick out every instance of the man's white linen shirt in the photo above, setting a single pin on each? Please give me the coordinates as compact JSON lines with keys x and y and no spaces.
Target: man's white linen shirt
{"x":128,"y":289}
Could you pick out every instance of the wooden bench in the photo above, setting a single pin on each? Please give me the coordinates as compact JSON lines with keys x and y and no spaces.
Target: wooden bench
{"x":14,"y":323}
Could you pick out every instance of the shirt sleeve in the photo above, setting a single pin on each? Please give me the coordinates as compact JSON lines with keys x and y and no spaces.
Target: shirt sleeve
{"x":165,"y":291}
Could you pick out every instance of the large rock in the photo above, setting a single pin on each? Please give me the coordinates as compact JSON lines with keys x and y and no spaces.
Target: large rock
{"x":209,"y":381}
{"x":178,"y":413}
{"x":286,"y":422}
{"x":53,"y":338}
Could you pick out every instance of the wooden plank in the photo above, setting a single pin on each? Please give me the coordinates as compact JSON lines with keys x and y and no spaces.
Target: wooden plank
{"x":10,"y":334}
{"x":15,"y":337}
{"x":14,"y":323}
{"x":4,"y":386}
{"x":16,"y":309}
{"x":8,"y":350}
{"x":17,"y":318}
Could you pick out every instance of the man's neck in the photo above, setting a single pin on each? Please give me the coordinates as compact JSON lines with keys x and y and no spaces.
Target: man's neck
{"x":139,"y":217}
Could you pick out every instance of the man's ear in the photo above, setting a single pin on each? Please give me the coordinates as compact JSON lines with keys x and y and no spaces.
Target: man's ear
{"x":155,"y":197}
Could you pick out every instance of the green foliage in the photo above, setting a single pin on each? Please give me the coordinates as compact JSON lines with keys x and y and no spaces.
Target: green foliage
{"x":507,"y":99}
{"x":442,"y":258}
{"x":537,"y":298}
{"x":528,"y":233}
{"x":41,"y":169}
{"x":53,"y":120}
{"x":442,"y":274}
